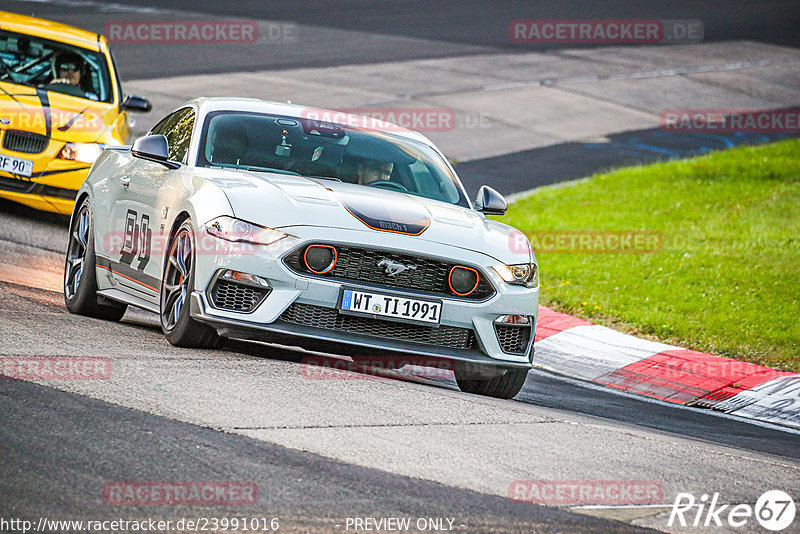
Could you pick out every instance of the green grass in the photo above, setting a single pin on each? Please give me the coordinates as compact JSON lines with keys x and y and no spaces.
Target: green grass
{"x":727,"y":280}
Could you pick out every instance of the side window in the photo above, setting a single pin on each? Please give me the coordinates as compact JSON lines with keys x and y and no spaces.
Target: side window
{"x":428,"y":185}
{"x":178,"y":130}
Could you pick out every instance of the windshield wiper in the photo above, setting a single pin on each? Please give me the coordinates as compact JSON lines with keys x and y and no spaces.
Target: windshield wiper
{"x":268,"y":169}
{"x":255,"y":168}
{"x":321,"y":177}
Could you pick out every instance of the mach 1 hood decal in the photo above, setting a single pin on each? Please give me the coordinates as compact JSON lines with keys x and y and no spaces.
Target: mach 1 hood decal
{"x":399,"y":214}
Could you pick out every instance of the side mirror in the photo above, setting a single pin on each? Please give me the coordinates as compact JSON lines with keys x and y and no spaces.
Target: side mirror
{"x":136,"y":103}
{"x":490,"y":201}
{"x":154,"y":148}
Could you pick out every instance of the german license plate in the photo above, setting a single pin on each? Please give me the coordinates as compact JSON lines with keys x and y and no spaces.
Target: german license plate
{"x":393,"y":307}
{"x":16,"y":165}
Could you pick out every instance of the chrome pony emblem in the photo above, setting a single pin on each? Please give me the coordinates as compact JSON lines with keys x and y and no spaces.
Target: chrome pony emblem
{"x":393,"y":268}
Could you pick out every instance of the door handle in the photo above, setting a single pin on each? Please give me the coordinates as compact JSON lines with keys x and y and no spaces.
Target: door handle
{"x":125,"y":181}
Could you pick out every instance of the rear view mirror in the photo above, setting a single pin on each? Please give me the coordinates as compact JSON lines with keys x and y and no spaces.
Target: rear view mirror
{"x":154,"y":148}
{"x":490,"y":201}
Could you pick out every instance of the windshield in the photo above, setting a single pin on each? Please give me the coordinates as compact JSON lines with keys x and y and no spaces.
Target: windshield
{"x":261,"y":142}
{"x":57,"y":67}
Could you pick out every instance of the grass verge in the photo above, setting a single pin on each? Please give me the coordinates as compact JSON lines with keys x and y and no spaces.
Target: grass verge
{"x":716,"y":267}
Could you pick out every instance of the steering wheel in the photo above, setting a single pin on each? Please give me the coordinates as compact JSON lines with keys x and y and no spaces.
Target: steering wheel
{"x":386,"y":184}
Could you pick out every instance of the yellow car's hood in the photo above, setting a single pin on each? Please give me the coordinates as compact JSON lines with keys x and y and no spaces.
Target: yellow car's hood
{"x":59,"y":116}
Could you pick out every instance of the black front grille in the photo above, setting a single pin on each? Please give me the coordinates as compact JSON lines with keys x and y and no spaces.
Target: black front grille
{"x":331,"y":319}
{"x":28,"y":142}
{"x":237,"y":297}
{"x":360,"y":265}
{"x":514,"y":339}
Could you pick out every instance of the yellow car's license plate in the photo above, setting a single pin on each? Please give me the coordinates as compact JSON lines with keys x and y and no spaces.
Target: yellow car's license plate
{"x":16,"y":165}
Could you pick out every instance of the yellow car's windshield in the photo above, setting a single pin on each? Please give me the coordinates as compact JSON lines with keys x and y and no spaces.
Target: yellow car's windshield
{"x":54,"y":66}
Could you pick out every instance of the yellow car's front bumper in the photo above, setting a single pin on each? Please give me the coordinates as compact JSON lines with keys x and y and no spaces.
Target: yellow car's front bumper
{"x":52,"y":189}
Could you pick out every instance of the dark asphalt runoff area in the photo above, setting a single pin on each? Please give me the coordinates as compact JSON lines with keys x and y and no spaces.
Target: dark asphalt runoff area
{"x":331,"y":32}
{"x":477,"y":23}
{"x":521,"y":171}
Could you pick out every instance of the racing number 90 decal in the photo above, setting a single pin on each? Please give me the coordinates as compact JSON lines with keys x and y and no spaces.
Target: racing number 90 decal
{"x":138,"y":240}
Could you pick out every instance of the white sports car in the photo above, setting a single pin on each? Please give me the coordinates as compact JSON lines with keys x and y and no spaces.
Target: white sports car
{"x":254,"y":220}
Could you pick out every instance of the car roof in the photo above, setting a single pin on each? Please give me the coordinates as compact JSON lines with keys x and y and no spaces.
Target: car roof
{"x":208,"y":105}
{"x":55,"y":31}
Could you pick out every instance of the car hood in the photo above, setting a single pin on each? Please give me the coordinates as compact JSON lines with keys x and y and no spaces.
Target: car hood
{"x":282,"y":201}
{"x":58,"y":116}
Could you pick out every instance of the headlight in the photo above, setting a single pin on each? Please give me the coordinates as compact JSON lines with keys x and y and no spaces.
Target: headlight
{"x":525,"y":274}
{"x":237,"y":230}
{"x":83,"y":152}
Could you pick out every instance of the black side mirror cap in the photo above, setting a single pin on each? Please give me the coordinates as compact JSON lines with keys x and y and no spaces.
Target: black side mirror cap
{"x":136,"y":103}
{"x":154,"y":148}
{"x":490,"y":201}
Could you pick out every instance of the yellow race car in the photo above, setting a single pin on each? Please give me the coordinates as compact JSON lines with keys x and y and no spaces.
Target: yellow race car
{"x":61,"y":104}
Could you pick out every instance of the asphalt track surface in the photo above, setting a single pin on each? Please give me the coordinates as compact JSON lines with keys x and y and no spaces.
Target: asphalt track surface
{"x":57,"y":449}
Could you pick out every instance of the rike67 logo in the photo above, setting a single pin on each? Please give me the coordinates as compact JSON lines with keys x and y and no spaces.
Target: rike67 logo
{"x":775,"y":511}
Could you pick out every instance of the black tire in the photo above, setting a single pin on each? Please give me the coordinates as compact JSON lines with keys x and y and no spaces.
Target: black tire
{"x":177,"y":285}
{"x":504,"y":386}
{"x":80,"y":271}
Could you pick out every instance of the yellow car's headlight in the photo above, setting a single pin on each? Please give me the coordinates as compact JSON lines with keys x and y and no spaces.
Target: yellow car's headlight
{"x":82,"y":152}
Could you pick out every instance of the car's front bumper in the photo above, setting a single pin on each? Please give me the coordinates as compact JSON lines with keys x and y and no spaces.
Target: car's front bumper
{"x":48,"y":190}
{"x":269,"y":321}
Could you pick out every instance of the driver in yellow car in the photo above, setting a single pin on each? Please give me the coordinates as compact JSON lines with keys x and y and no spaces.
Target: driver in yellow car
{"x":374,"y":171}
{"x":68,"y":67}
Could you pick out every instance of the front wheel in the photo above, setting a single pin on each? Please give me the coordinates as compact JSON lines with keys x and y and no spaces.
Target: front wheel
{"x":80,"y":276}
{"x":504,"y":386}
{"x":177,"y":285}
